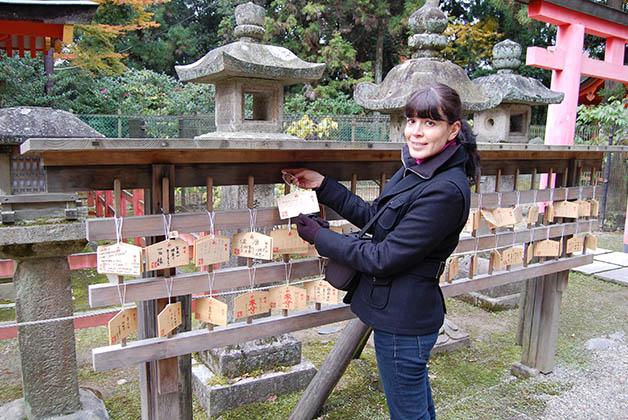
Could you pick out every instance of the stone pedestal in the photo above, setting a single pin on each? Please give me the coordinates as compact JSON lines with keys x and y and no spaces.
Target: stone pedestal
{"x":42,"y":283}
{"x":233,"y":376}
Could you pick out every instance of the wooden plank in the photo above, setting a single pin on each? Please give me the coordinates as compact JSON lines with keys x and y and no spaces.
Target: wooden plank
{"x":503,"y":239}
{"x":112,"y":357}
{"x":227,"y":278}
{"x":486,"y":281}
{"x":96,"y":178}
{"x":38,"y":198}
{"x":549,"y":318}
{"x":509,"y":198}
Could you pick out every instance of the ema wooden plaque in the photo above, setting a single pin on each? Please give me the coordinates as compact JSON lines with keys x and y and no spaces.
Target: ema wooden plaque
{"x":167,"y":254}
{"x":326,"y":293}
{"x":253,"y":245}
{"x":496,"y":260}
{"x":574,"y":244}
{"x":120,"y":258}
{"x":567,"y":209}
{"x":549,"y":214}
{"x":208,"y":250}
{"x":595,"y":208}
{"x":169,"y":319}
{"x":211,"y":310}
{"x":454,"y":266}
{"x":122,"y":325}
{"x":287,"y":297}
{"x":288,"y":241}
{"x":591,"y":242}
{"x":310,"y":289}
{"x":584,"y":208}
{"x":298,"y":202}
{"x":512,"y":256}
{"x":500,"y":217}
{"x":473,"y":221}
{"x":533,"y":214}
{"x":251,"y":303}
{"x":529,"y":253}
{"x":547,"y":248}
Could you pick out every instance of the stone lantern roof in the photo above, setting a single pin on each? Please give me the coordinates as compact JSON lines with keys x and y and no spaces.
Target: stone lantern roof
{"x":425,"y":67}
{"x":508,"y":87}
{"x":248,"y":58}
{"x":249,"y":74}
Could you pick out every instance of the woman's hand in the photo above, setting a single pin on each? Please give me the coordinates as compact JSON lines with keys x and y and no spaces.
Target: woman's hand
{"x":302,"y":177}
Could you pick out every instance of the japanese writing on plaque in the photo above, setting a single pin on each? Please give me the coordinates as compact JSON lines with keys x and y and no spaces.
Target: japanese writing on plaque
{"x":499,"y":217}
{"x":298,"y":202}
{"x":120,"y":258}
{"x":584,"y":208}
{"x":326,"y":293}
{"x":211,"y":310}
{"x":547,"y":248}
{"x":251,"y":303}
{"x":167,"y":254}
{"x":512,"y":256}
{"x":210,"y":250}
{"x":575,"y":244}
{"x":121,"y":325}
{"x":169,"y":318}
{"x":287,"y":297}
{"x":288,"y":242}
{"x":566,"y":209}
{"x":310,"y":289}
{"x":253,"y":245}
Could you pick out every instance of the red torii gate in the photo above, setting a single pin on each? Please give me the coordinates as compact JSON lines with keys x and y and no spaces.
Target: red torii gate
{"x":568,"y":63}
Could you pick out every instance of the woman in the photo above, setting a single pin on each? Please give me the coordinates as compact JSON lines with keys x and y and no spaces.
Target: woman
{"x":427,"y":206}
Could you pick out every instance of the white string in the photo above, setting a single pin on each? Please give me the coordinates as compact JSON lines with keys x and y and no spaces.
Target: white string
{"x":211,"y":276}
{"x":118,"y":223}
{"x":252,"y":271}
{"x":289,"y":225}
{"x":548,"y":232}
{"x":552,"y":194}
{"x":288,"y":269}
{"x":480,"y":202}
{"x":321,"y":266}
{"x":211,"y":216}
{"x":252,"y":218}
{"x":169,"y":287}
{"x":518,"y":197}
{"x":167,"y":222}
{"x":531,"y":235}
{"x":122,"y":296}
{"x":594,"y":187}
{"x":580,"y":193}
{"x":590,"y":226}
{"x":499,"y":200}
{"x":562,"y":234}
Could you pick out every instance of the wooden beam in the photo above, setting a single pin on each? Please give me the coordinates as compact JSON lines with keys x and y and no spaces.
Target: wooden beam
{"x":105,"y":294}
{"x":486,"y":281}
{"x":111,"y":357}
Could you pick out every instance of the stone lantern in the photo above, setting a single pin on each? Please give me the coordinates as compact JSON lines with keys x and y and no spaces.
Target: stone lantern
{"x":247,"y":72}
{"x":425,"y":67}
{"x":513,"y":96}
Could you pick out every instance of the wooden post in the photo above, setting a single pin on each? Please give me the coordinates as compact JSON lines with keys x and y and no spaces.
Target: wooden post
{"x":330,"y":371}
{"x":539,"y":332}
{"x":250,"y":204}
{"x":117,"y":202}
{"x":209,"y":182}
{"x":158,"y":377}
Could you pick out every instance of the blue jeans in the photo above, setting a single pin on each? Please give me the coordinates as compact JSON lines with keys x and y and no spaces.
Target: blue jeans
{"x":402,"y":363}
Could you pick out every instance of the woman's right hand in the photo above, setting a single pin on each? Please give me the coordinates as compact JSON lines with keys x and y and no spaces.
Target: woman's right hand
{"x":303,"y":178}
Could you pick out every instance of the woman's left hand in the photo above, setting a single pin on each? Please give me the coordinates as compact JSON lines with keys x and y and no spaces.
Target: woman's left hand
{"x":308,"y":228}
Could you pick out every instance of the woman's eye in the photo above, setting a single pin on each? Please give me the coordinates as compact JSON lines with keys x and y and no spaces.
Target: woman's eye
{"x":430,"y":123}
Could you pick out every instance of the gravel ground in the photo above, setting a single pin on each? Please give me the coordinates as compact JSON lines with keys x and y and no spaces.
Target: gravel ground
{"x":599,"y":391}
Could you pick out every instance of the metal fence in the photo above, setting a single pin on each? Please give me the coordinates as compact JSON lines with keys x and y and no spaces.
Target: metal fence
{"x":350,"y":127}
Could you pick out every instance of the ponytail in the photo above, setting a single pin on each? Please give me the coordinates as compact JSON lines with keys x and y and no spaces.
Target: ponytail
{"x":466,"y":138}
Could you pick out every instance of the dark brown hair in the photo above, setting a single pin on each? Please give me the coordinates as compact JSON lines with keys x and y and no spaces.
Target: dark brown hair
{"x":439,"y":102}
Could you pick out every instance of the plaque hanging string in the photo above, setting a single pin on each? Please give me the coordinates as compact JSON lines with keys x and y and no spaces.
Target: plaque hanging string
{"x":122,"y":295}
{"x":252,"y":271}
{"x":118,"y":224}
{"x":252,"y":219}
{"x":167,"y":222}
{"x":169,"y":281}
{"x":288,"y":269}
{"x":211,"y":276}
{"x":211,"y":216}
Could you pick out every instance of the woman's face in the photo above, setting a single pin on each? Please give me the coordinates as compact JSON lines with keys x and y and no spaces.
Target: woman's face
{"x":427,"y":137}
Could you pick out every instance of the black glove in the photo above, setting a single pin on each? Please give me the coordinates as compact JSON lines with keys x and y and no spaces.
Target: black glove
{"x":324,"y":223}
{"x":308,"y":228}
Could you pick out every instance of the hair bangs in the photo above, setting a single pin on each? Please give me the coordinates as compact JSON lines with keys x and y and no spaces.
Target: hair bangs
{"x":424,"y":104}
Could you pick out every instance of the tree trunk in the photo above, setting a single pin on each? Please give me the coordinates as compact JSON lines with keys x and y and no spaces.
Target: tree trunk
{"x":379,"y":52}
{"x":49,"y":66}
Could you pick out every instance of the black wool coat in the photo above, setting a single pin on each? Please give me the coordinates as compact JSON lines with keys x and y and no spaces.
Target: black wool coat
{"x":427,"y":207}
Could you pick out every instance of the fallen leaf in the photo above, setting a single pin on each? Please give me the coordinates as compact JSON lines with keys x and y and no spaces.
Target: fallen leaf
{"x":271,"y":398}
